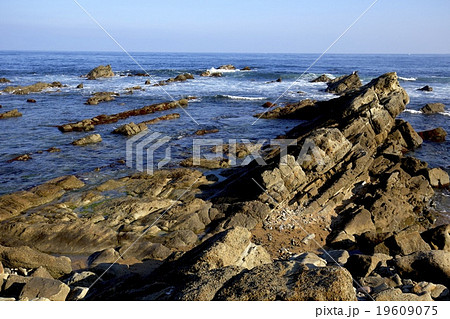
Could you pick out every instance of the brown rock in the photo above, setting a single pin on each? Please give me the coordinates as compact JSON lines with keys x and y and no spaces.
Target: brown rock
{"x":80,"y":86}
{"x":344,"y":84}
{"x":90,"y":139}
{"x":9,"y":114}
{"x":15,"y":257}
{"x":131,"y":129}
{"x":438,"y":178}
{"x":34,"y":88}
{"x":31,"y":101}
{"x":99,"y":97}
{"x":432,"y":108}
{"x":4,"y":80}
{"x":100,"y":72}
{"x":51,"y":289}
{"x":205,"y":131}
{"x":438,"y":237}
{"x":322,"y":78}
{"x":435,"y":135}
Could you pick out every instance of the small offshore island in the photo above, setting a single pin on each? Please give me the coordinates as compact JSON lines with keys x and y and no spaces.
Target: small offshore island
{"x":256,"y":234}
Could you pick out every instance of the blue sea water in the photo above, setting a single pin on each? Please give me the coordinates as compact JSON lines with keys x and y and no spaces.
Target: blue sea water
{"x":227,"y":103}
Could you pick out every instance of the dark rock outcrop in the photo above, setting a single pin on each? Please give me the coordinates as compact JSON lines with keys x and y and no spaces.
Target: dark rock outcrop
{"x":426,"y":88}
{"x":322,"y":78}
{"x":435,"y":135}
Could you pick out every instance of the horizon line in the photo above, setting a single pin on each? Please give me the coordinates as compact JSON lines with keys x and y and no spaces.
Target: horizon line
{"x":215,"y":52}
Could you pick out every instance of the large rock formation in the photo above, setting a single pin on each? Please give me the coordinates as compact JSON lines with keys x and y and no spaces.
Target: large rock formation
{"x":100,"y":72}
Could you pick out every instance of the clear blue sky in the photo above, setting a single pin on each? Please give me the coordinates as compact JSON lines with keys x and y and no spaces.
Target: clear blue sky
{"x":392,"y":26}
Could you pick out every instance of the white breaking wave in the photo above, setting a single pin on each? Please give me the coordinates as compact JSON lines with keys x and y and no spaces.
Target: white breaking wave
{"x":419,"y":112}
{"x":413,"y":111}
{"x":214,"y":71}
{"x":407,"y":79}
{"x":233,"y":97}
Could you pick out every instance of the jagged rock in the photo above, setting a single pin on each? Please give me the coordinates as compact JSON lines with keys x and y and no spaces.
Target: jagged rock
{"x":99,"y":97}
{"x":229,"y":248}
{"x":246,"y":68}
{"x":426,"y":88}
{"x":80,"y":86}
{"x":306,"y":109}
{"x":206,"y":284}
{"x":289,"y":281}
{"x":14,"y":285}
{"x":406,"y":242}
{"x":31,"y":101}
{"x":4,"y":80}
{"x":34,"y":88}
{"x":131,"y":129}
{"x":100,"y":72}
{"x":51,"y":289}
{"x":90,"y":139}
{"x":9,"y":114}
{"x":433,"y":266}
{"x":412,"y":139}
{"x":26,"y":257}
{"x":435,"y":135}
{"x":148,"y":82}
{"x":438,"y":178}
{"x":432,"y":108}
{"x":438,"y":238}
{"x":41,"y":272}
{"x":322,"y":78}
{"x":344,"y":84}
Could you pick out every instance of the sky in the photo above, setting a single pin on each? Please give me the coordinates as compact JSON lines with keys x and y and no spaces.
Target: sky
{"x":263,"y":26}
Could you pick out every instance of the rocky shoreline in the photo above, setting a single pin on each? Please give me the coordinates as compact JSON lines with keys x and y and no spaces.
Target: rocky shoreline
{"x":355,"y":225}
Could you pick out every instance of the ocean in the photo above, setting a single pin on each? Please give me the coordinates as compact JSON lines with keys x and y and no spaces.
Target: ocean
{"x":226,"y":103}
